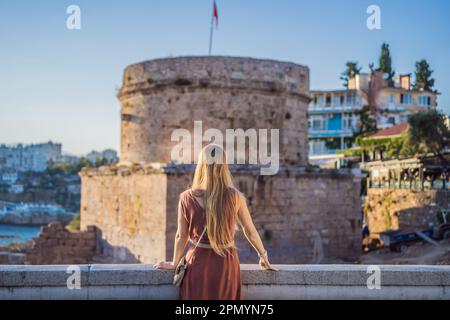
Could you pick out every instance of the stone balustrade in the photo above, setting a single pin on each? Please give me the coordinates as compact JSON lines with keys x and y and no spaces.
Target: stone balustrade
{"x":291,"y":282}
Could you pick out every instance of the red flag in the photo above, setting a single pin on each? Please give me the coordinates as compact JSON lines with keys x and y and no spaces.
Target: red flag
{"x":215,"y":14}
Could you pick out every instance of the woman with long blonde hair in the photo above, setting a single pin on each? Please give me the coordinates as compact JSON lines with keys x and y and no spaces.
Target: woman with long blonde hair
{"x":207,"y":217}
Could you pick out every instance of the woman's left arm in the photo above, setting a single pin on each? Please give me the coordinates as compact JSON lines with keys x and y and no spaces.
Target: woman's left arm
{"x":181,"y":238}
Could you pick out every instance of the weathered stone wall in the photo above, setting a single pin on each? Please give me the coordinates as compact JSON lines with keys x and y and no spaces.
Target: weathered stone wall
{"x":160,"y":96}
{"x":57,"y":245}
{"x":303,"y":217}
{"x":394,"y":209}
{"x":128,"y":205}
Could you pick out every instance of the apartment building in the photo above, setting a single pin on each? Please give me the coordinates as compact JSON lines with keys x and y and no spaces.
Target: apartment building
{"x":334,"y":115}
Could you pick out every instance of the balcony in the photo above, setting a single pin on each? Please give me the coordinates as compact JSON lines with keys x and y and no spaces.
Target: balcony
{"x":330,"y":133}
{"x":393,"y":108}
{"x":291,"y":282}
{"x":316,"y":109}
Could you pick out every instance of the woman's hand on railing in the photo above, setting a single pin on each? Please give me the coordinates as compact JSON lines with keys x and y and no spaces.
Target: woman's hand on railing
{"x":166,"y":265}
{"x":265,"y":264}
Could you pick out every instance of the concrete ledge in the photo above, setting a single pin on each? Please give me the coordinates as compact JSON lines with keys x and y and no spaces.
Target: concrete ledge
{"x":291,"y":282}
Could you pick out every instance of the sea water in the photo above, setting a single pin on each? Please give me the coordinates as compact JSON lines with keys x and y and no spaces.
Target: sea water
{"x":17,"y":234}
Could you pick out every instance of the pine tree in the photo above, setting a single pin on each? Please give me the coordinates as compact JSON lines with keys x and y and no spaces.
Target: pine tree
{"x":352,"y":69}
{"x":385,"y":64}
{"x":423,"y":76}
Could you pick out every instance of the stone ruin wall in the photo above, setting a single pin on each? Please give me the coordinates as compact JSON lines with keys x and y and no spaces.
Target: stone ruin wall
{"x":404,"y":209}
{"x":57,"y":245}
{"x":303,"y":215}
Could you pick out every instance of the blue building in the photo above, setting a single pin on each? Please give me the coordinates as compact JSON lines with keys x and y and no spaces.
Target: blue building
{"x":334,"y":115}
{"x":333,"y":119}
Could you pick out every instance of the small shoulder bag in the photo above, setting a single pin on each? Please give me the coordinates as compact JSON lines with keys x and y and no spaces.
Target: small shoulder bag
{"x":182,"y":265}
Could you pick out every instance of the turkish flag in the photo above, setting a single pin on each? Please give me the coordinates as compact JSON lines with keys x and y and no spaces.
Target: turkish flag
{"x":215,"y":14}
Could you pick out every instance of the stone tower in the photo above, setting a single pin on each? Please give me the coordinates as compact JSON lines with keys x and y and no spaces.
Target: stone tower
{"x":223,"y":92}
{"x":134,"y":203}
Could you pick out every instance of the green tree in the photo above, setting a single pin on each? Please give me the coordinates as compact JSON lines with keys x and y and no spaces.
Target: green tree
{"x":100,"y":162}
{"x":352,"y":69}
{"x":82,"y":163}
{"x":367,"y":120}
{"x":385,"y":64}
{"x":4,"y":187}
{"x":424,"y":81}
{"x":427,"y":133}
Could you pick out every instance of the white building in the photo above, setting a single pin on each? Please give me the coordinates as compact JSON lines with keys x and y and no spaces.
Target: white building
{"x":109,"y":155}
{"x":34,"y":157}
{"x":10,"y":176}
{"x":68,"y":158}
{"x":94,"y":156}
{"x":16,"y":188}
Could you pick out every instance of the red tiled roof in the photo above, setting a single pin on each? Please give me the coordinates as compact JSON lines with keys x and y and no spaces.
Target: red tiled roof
{"x":393,"y":131}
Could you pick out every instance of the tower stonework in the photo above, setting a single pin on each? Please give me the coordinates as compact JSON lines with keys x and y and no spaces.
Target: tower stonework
{"x":160,"y":96}
{"x":303,"y":214}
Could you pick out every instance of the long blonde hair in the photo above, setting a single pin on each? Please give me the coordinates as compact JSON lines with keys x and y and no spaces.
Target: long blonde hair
{"x":213,"y":175}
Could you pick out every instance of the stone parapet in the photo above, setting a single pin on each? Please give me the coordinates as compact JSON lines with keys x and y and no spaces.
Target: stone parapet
{"x":291,"y":282}
{"x":217,"y":72}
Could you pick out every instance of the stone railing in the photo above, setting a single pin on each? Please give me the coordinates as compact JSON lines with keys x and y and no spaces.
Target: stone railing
{"x":291,"y":282}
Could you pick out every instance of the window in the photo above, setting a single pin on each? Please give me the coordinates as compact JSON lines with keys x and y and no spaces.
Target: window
{"x":421,"y":100}
{"x":317,"y":147}
{"x":317,"y":123}
{"x":342,"y":100}
{"x":320,"y":101}
{"x":391,"y":120}
{"x":351,"y":100}
{"x":392,"y":98}
{"x":348,"y":122}
{"x":405,"y":99}
{"x":424,"y":101}
{"x":328,"y":100}
{"x":336,"y":101}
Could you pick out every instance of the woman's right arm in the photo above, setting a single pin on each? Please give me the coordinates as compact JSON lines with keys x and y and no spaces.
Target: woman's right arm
{"x":252,"y":234}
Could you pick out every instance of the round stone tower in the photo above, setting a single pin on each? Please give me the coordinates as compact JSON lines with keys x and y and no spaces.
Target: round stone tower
{"x":159,"y":96}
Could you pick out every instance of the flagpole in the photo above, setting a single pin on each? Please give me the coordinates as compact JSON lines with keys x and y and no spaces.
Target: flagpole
{"x":212,"y":31}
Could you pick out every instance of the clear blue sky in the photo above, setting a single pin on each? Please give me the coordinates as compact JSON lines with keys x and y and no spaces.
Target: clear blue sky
{"x":61,"y":85}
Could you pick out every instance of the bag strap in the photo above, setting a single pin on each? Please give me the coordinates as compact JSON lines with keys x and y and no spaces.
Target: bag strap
{"x":198,"y":241}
